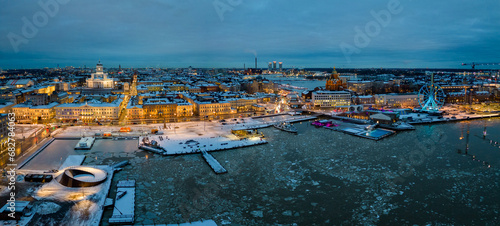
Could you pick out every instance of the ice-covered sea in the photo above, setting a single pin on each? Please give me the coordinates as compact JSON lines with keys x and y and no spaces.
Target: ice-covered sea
{"x":436,"y":174}
{"x":426,"y":176}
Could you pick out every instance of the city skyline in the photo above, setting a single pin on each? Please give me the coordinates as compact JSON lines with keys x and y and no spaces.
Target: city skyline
{"x":227,"y":34}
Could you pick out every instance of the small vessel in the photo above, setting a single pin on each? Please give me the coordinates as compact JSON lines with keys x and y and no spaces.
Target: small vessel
{"x":285,"y":126}
{"x":330,"y":124}
{"x":321,"y":123}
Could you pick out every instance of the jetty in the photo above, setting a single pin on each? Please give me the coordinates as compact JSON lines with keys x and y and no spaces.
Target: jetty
{"x":123,"y":211}
{"x":85,"y":143}
{"x":213,"y":163}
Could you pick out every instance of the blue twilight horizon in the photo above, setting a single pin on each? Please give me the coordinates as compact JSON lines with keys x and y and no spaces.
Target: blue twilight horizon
{"x":230,"y":33}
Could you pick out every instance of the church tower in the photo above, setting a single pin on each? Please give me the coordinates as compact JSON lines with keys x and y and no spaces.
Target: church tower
{"x":133,"y":91}
{"x":334,"y":83}
{"x":99,"y":68}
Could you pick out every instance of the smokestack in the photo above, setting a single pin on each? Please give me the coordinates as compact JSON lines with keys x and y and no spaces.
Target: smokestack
{"x":255,"y":62}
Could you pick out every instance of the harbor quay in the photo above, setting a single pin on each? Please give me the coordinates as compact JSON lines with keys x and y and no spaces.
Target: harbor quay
{"x":86,"y":146}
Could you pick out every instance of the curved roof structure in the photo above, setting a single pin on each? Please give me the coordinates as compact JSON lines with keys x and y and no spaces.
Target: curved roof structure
{"x":82,"y":176}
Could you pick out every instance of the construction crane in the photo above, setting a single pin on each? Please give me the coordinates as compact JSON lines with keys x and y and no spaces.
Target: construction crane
{"x":473,"y":65}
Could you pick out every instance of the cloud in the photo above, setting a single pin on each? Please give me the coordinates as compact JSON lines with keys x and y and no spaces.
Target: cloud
{"x":190,"y":33}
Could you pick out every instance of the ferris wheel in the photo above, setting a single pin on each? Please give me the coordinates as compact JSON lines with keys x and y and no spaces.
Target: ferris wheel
{"x":431,"y":97}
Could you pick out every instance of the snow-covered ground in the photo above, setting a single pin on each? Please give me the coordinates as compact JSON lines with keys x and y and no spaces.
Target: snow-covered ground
{"x":214,"y":135}
{"x":181,"y":130}
{"x":124,"y":206}
{"x":189,"y":144}
{"x":88,"y":200}
{"x":25,"y":130}
{"x":452,"y":116}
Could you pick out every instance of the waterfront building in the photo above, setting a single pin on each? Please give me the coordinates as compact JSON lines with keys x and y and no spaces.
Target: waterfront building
{"x":184,"y":109}
{"x":27,"y":113}
{"x":88,"y":111}
{"x":331,"y":98}
{"x":99,"y":79}
{"x":397,"y":100}
{"x":159,"y":108}
{"x":213,"y":108}
{"x":242,"y":104}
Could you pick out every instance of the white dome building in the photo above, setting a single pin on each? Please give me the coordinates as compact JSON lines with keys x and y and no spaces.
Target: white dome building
{"x":99,"y":79}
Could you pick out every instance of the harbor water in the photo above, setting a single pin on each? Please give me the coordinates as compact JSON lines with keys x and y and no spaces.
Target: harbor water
{"x":436,"y":174}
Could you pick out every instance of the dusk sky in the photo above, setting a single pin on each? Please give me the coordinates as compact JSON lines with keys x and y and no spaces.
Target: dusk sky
{"x":227,"y":33}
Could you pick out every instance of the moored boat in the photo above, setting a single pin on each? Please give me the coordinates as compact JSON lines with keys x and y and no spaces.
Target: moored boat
{"x":285,"y":126}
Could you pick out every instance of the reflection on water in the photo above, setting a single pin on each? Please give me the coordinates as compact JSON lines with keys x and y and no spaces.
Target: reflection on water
{"x":54,"y":155}
{"x":297,"y":81}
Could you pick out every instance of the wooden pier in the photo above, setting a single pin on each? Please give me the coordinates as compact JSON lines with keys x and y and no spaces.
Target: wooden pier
{"x":123,"y":211}
{"x":213,"y":163}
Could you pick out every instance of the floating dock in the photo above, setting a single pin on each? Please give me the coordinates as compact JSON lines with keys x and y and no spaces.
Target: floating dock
{"x":374,"y":134}
{"x":85,"y":143}
{"x":212,"y":162}
{"x":123,"y":211}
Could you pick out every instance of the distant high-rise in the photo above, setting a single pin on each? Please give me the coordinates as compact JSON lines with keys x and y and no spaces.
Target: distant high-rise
{"x":270,"y":66}
{"x":274,"y":65}
{"x":255,"y":62}
{"x":281,"y":66}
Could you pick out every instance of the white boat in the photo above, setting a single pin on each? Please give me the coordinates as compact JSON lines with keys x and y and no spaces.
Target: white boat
{"x":285,"y":126}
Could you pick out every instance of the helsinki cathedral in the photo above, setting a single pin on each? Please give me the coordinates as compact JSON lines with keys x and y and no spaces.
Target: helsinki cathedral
{"x":100,"y":79}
